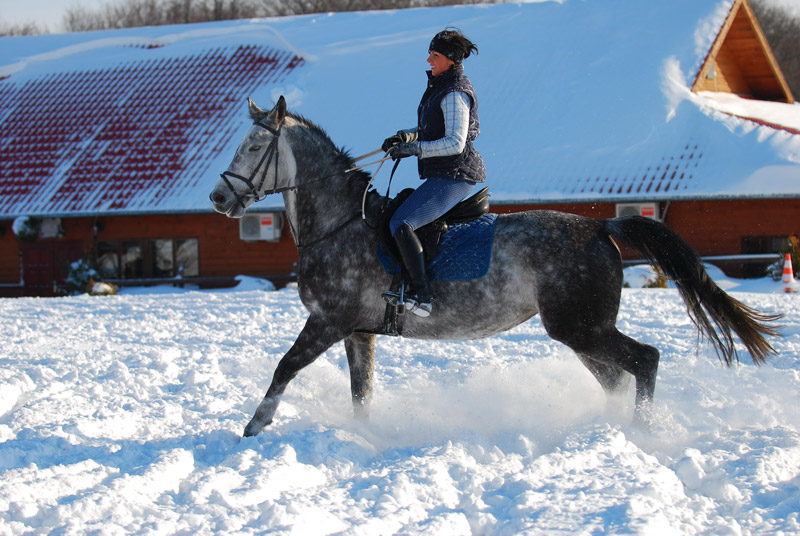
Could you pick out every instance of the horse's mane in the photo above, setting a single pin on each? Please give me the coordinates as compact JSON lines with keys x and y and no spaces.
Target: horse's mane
{"x":342,"y":155}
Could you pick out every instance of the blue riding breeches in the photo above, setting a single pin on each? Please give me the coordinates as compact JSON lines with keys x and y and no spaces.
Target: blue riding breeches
{"x":430,"y":200}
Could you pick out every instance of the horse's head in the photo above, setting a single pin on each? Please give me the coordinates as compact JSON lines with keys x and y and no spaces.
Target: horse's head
{"x":263,"y":164}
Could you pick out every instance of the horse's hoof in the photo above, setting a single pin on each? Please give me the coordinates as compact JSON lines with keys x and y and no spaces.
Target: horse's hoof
{"x":361,"y":412}
{"x":643,"y":417}
{"x":253,"y":428}
{"x":252,"y":431}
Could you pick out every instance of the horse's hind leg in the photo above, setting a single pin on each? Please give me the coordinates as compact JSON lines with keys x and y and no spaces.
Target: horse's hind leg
{"x":612,"y":378}
{"x":607,"y":354}
{"x":360,"y":349}
{"x":316,"y":337}
{"x":613,"y":353}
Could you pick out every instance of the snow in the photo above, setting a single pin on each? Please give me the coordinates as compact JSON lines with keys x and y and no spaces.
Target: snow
{"x":776,"y":113}
{"x":123,"y":415}
{"x":20,"y":225}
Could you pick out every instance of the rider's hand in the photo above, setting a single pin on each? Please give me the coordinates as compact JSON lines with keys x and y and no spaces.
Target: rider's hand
{"x":401,"y":137}
{"x":402,"y":150}
{"x":391,"y":141}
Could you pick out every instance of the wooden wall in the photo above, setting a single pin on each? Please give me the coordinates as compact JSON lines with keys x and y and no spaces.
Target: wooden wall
{"x":9,"y":258}
{"x":711,"y":227}
{"x":221,"y":252}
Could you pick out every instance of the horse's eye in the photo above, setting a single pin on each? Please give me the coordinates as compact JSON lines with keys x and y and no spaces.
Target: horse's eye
{"x":254,"y":148}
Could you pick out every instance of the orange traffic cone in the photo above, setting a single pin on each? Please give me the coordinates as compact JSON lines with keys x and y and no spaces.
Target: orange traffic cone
{"x":789,"y":284}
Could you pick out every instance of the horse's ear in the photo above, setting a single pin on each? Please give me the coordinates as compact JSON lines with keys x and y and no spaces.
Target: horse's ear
{"x":278,"y":113}
{"x":274,"y":117}
{"x":256,"y":113}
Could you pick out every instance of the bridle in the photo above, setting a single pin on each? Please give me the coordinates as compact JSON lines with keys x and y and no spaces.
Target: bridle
{"x":270,"y":155}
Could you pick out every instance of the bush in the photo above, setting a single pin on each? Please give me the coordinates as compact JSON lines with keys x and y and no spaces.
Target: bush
{"x":27,"y":228}
{"x":792,"y":247}
{"x":80,"y":278}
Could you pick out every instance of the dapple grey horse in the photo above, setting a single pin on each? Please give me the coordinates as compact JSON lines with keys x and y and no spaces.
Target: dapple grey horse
{"x":564,"y":267}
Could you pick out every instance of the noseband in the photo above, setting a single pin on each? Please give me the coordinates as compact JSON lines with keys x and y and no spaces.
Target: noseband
{"x":270,"y":155}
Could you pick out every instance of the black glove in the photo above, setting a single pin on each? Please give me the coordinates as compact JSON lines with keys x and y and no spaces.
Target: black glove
{"x":402,"y":150}
{"x":400,"y":137}
{"x":391,"y":141}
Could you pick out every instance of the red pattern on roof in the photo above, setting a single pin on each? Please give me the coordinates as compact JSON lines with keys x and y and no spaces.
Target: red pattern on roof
{"x":123,"y":138}
{"x":673,"y":174}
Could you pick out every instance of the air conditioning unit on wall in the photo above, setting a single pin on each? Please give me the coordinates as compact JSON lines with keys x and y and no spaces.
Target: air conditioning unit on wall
{"x":267,"y":226}
{"x":648,"y":210}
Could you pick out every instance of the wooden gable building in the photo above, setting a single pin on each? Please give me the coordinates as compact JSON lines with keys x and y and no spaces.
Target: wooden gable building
{"x":741,"y":61}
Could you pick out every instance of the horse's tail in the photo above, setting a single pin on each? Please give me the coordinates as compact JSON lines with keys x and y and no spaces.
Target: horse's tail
{"x":706,"y":303}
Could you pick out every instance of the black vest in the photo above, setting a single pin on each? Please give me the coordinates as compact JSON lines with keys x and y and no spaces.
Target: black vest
{"x":468,"y":165}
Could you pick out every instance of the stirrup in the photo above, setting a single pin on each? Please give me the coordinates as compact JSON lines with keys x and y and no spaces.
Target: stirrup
{"x":391,"y":297}
{"x":396,"y":298}
{"x":407,"y":302}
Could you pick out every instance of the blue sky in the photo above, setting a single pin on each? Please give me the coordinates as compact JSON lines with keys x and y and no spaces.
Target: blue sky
{"x":45,"y":12}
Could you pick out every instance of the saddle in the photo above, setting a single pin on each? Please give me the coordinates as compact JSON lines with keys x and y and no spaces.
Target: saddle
{"x":430,"y":235}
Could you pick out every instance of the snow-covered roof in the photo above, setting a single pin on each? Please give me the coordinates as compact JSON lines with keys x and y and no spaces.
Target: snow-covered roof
{"x":128,"y":123}
{"x":579,"y":101}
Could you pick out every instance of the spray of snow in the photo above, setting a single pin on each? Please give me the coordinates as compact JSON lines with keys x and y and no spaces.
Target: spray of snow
{"x":674,"y":86}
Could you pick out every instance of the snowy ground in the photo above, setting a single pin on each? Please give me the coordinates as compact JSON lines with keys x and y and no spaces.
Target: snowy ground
{"x":123,"y":415}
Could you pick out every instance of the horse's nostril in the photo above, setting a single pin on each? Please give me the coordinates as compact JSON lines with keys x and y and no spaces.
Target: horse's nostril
{"x":216,"y":197}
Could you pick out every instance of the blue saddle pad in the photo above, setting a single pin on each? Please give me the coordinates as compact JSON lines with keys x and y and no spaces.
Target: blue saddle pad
{"x":464,"y":252}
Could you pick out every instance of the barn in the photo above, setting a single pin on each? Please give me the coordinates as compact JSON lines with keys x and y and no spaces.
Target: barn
{"x":111,"y":141}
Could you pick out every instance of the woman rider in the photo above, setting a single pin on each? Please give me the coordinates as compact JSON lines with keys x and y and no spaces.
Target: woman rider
{"x":449,"y":165}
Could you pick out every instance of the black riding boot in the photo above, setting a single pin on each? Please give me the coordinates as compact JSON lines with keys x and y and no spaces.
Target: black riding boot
{"x":414,"y":262}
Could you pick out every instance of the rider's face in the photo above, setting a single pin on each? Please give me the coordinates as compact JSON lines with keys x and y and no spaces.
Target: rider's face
{"x":439,"y":63}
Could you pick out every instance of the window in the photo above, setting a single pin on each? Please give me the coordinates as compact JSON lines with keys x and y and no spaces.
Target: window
{"x":760,"y":244}
{"x":108,"y":259}
{"x":186,"y":257}
{"x":159,"y":258}
{"x":131,"y":263}
{"x":163,"y":259}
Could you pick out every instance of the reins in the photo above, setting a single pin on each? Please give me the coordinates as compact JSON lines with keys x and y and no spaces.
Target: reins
{"x":364,"y":156}
{"x":329,"y":234}
{"x":363,"y":212}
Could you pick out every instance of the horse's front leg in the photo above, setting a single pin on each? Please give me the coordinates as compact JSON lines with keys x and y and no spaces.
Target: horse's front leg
{"x":360,"y":349}
{"x":316,"y":337}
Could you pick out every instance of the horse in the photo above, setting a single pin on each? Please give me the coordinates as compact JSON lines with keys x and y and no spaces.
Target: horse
{"x":565,"y":268}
